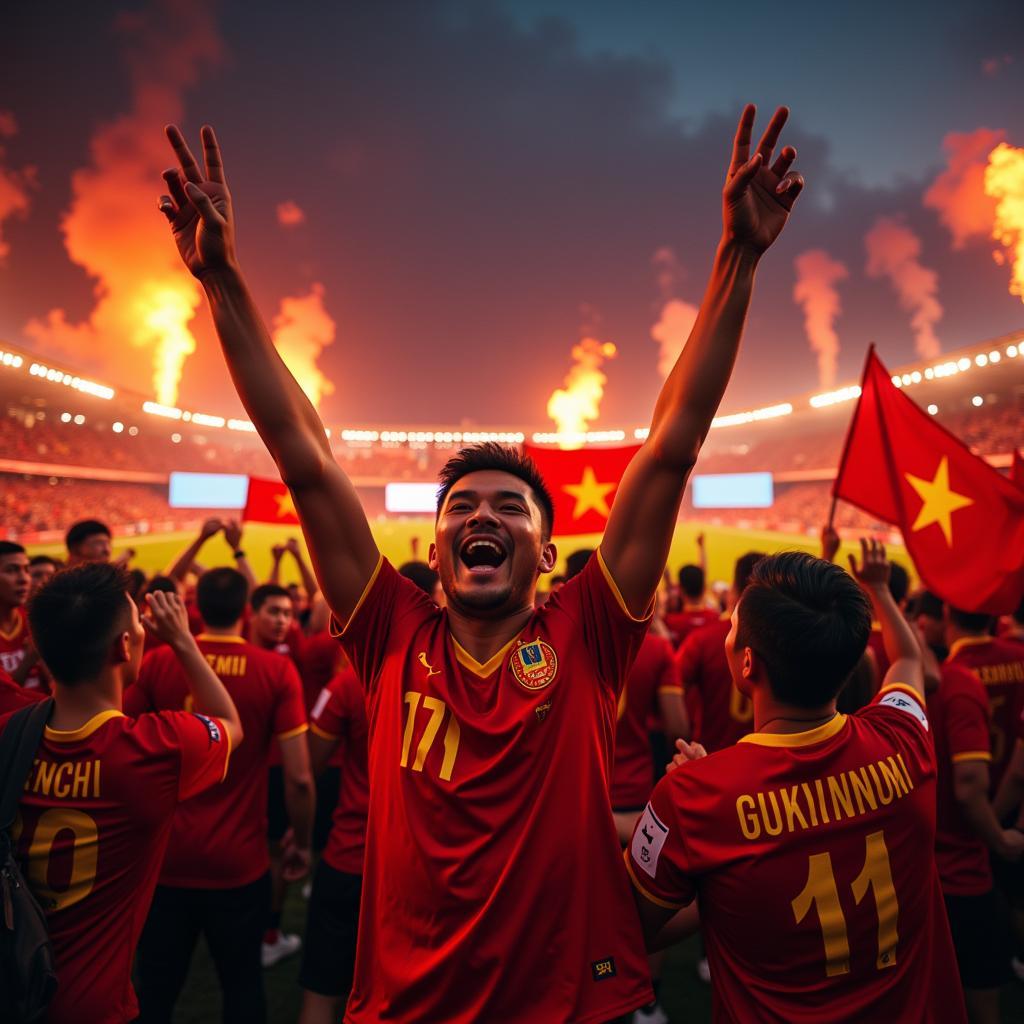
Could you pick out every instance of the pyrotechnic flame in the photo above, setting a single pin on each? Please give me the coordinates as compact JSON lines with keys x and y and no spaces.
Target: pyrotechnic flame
{"x":815,"y":290}
{"x":302,"y":330}
{"x":145,"y":297}
{"x":578,"y":403}
{"x":1004,"y":182}
{"x":290,"y":214}
{"x":958,"y":194}
{"x":15,"y":185}
{"x":893,"y":251}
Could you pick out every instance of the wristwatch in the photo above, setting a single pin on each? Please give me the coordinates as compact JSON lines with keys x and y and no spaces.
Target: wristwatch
{"x":239,"y":553}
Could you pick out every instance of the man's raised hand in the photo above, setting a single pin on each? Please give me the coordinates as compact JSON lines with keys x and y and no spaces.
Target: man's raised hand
{"x":198,"y":207}
{"x":758,"y":194}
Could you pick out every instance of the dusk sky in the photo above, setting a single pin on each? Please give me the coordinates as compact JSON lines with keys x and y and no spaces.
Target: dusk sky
{"x":437,"y":200}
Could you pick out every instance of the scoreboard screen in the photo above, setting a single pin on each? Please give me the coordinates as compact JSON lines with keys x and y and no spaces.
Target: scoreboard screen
{"x":733,"y":490}
{"x":208,"y":490}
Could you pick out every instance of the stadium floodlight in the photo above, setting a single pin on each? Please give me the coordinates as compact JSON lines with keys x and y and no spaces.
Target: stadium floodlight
{"x":117,"y":427}
{"x":933,"y":409}
{"x":11,"y":359}
{"x":1011,"y":351}
{"x":981,"y":359}
{"x":963,"y":363}
{"x":207,"y":421}
{"x":994,"y":356}
{"x":245,"y":426}
{"x":769,"y":412}
{"x":176,"y":438}
{"x":168,"y":411}
{"x":834,"y":397}
{"x":977,"y":401}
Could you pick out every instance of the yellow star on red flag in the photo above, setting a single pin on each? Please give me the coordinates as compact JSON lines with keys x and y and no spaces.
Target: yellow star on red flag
{"x":285,"y":505}
{"x":940,"y":500}
{"x":590,"y":493}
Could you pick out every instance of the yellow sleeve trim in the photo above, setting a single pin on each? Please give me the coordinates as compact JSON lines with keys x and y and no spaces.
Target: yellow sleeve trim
{"x":902,"y":687}
{"x":614,"y":587}
{"x":647,"y":895}
{"x":291,"y":733}
{"x":322,"y":733}
{"x":227,"y":757}
{"x":334,"y":631}
{"x":670,"y":689}
{"x":972,"y":755}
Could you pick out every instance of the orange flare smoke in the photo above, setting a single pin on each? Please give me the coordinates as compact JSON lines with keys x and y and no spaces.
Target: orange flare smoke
{"x":893,"y":251}
{"x":815,"y":290}
{"x":14,"y":185}
{"x":958,"y":194}
{"x":302,"y":330}
{"x":578,"y":403}
{"x":672,"y":331}
{"x":145,"y":297}
{"x":290,"y":214}
{"x":1004,"y":182}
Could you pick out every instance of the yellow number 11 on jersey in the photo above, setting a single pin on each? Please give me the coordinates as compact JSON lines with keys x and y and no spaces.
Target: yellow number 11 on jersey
{"x":821,"y":891}
{"x":437,"y":709}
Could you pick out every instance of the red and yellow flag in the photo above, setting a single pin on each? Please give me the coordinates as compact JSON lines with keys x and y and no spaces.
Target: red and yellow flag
{"x":269,"y":501}
{"x":962,"y":520}
{"x":582,"y":484}
{"x":1017,"y":468}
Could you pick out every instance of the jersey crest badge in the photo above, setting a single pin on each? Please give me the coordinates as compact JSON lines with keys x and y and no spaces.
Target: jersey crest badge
{"x":534,"y":664}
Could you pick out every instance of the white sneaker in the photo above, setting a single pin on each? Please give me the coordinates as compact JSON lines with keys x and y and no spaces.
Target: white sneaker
{"x":307,"y":890}
{"x":652,"y":1015}
{"x":1018,"y":968}
{"x":285,"y":946}
{"x":703,"y":971}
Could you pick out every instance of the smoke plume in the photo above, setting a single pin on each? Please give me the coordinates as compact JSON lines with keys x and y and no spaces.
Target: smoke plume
{"x":302,"y":330}
{"x":677,"y":317}
{"x":893,"y":251}
{"x":290,"y":214}
{"x":145,"y":298}
{"x":1004,"y":183}
{"x":815,"y":291}
{"x":15,"y":185}
{"x":958,"y":194}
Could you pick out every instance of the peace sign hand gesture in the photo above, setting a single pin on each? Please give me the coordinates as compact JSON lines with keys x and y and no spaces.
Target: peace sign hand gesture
{"x":757,"y":197}
{"x":199,"y":206}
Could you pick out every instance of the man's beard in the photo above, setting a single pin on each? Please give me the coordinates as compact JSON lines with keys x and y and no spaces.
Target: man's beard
{"x":481,"y":602}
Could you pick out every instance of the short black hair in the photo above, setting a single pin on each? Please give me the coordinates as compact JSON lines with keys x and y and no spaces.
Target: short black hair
{"x":421,"y":574}
{"x":137,"y":584}
{"x":264,"y":593}
{"x":502,"y":459}
{"x":221,"y":595}
{"x":808,"y":621}
{"x":929,"y":605}
{"x":76,"y":616}
{"x":8,"y":547}
{"x":163,"y":583}
{"x":577,"y":562}
{"x":743,"y":570}
{"x":44,"y":560}
{"x":899,"y":582}
{"x":691,"y":581}
{"x":970,"y":622}
{"x":1018,"y":615}
{"x":82,"y":530}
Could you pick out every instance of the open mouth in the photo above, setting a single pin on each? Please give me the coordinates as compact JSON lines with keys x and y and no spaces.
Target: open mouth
{"x":482,"y":555}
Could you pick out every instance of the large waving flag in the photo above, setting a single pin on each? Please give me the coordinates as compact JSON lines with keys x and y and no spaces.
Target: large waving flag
{"x":583,"y":483}
{"x":1017,"y":468}
{"x":962,"y":520}
{"x":269,"y":501}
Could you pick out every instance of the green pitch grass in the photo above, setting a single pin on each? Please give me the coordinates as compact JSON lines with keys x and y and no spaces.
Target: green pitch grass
{"x":155,"y":553}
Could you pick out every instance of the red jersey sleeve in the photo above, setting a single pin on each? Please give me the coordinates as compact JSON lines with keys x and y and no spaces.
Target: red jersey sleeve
{"x":688,"y":659}
{"x":668,"y":678}
{"x":966,"y":718}
{"x":203,"y":744}
{"x":657,"y":858}
{"x":387,"y":599}
{"x":290,"y":706}
{"x":610,"y":632}
{"x":899,"y":711}
{"x":327,"y":718}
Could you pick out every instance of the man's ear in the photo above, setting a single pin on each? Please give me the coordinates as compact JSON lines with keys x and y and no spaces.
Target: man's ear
{"x":752,"y":667}
{"x":548,"y":557}
{"x":121,"y":649}
{"x":432,"y":559}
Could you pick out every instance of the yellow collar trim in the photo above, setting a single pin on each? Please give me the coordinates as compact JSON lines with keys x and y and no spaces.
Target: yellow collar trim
{"x":481,"y":669}
{"x":797,"y":739}
{"x":213,"y":638}
{"x":74,"y":735}
{"x":15,"y":629}
{"x":966,"y":641}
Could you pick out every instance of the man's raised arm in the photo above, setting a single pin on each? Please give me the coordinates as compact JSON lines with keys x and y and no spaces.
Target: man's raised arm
{"x":198,"y":209}
{"x":757,"y":199}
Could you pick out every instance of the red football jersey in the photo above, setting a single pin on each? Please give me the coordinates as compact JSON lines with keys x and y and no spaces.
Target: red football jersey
{"x":340,"y":715}
{"x":14,"y":642}
{"x":219,"y":839}
{"x":91,"y":831}
{"x":812,"y":859}
{"x":13,"y":695}
{"x":290,"y":647}
{"x":652,"y":673}
{"x":877,"y":645}
{"x":726,"y":715}
{"x":958,"y":715}
{"x":999,"y":665}
{"x":492,"y":885}
{"x":322,"y":660}
{"x":681,"y":624}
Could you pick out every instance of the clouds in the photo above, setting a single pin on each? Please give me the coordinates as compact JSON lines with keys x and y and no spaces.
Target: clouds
{"x":16,"y":184}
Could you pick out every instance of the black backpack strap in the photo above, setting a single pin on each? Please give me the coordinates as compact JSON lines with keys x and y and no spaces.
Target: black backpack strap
{"x":18,"y":746}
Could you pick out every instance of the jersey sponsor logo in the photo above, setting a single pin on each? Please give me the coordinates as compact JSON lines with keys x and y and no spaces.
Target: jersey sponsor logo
{"x":648,"y":839}
{"x":431,"y":671}
{"x":602,"y":969}
{"x":534,"y":664}
{"x":903,"y":701}
{"x":211,"y":727}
